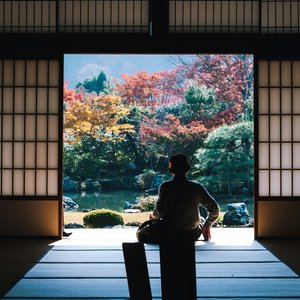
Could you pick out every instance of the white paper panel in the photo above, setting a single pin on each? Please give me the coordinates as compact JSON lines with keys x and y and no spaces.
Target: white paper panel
{"x":286,"y":15}
{"x":7,"y":134}
{"x":42,"y":100}
{"x":286,"y":155}
{"x":41,"y":182}
{"x":19,"y":100}
{"x":296,"y":100}
{"x":263,"y":128}
{"x":18,"y":182}
{"x":41,"y":160}
{"x":53,"y":101}
{"x":286,"y":101}
{"x":263,"y":156}
{"x":296,"y":73}
{"x":275,"y":73}
{"x":6,"y":182}
{"x":30,"y":13}
{"x":7,"y":155}
{"x":263,"y":73}
{"x":8,"y":79}
{"x":20,"y":72}
{"x":275,"y":183}
{"x":30,"y":126}
{"x":286,"y":128}
{"x":8,"y":100}
{"x":296,"y":185}
{"x":296,"y":128}
{"x":264,"y":15}
{"x":52,"y":183}
{"x":275,"y":156}
{"x":278,"y":15}
{"x":42,"y":128}
{"x":54,"y":73}
{"x":31,"y":72}
{"x":29,"y":182}
{"x":286,"y":73}
{"x":42,"y":73}
{"x":30,"y":155}
{"x":263,"y":183}
{"x":114,"y":14}
{"x":275,"y":101}
{"x":19,"y":128}
{"x":263,"y":101}
{"x":19,"y":155}
{"x":296,"y":156}
{"x":274,"y":128}
{"x":53,"y":155}
{"x":145,"y":14}
{"x":270,"y":14}
{"x":286,"y":177}
{"x":53,"y":128}
{"x":31,"y":100}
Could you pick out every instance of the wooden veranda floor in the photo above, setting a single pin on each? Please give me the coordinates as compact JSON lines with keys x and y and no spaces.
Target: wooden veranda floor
{"x":90,"y":265}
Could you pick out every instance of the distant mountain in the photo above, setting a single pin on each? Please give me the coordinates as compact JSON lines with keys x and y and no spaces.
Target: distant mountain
{"x":78,"y":67}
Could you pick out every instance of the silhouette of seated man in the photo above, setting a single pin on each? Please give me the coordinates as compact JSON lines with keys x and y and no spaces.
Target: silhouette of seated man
{"x":179,"y":199}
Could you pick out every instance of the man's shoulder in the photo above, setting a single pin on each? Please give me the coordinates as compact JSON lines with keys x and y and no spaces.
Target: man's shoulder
{"x":195,"y":184}
{"x":167,"y":183}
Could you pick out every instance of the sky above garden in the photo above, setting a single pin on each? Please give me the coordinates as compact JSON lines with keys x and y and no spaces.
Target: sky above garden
{"x":78,"y":67}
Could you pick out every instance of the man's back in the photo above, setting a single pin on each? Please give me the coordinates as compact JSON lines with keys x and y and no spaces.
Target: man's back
{"x":180,"y":198}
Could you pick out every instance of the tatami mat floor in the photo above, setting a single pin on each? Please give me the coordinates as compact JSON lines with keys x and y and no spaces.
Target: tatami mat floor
{"x":90,"y":265}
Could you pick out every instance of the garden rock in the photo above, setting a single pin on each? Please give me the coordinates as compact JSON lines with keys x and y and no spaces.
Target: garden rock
{"x":237,"y":215}
{"x":69,"y":204}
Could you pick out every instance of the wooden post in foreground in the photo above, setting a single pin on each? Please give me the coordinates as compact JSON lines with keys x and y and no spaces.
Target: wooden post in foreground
{"x":137,"y":271}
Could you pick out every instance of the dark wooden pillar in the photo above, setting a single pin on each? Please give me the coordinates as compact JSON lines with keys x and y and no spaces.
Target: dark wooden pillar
{"x":159,"y":18}
{"x":178,"y":269}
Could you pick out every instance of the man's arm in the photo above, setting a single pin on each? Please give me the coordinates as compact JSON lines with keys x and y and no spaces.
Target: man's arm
{"x":213,"y":210}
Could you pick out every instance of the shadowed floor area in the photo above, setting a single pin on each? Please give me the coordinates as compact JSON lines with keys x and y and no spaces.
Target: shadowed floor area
{"x":90,"y":265}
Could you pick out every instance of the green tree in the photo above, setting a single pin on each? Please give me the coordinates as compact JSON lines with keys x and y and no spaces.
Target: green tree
{"x":96,"y":84}
{"x":201,"y":99}
{"x":225,"y":163}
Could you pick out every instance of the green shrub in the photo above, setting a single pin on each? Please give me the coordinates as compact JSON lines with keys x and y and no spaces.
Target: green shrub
{"x":102,"y":217}
{"x":147,"y":202}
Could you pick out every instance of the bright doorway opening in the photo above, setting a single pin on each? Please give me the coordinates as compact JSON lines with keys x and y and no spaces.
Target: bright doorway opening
{"x":125,"y":114}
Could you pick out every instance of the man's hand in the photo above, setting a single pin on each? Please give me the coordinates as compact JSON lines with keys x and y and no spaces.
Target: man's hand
{"x":206,"y":233}
{"x":151,"y":217}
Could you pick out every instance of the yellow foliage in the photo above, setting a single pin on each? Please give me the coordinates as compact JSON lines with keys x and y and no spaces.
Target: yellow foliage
{"x":98,"y":117}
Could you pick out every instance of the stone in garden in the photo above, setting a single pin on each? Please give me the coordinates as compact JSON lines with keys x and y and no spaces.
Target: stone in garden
{"x":237,"y":215}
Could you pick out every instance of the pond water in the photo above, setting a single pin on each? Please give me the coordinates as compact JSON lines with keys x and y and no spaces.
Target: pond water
{"x":115,"y":200}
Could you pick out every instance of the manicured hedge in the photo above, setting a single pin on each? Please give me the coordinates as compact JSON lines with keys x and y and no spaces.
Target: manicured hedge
{"x":101,"y":218}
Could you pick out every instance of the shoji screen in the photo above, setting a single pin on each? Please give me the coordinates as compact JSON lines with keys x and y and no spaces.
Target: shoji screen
{"x":74,"y":16}
{"x":278,"y":148}
{"x":280,"y":16}
{"x":28,"y":16}
{"x":234,"y":16}
{"x":30,"y":147}
{"x":213,"y":16}
{"x":105,"y":16}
